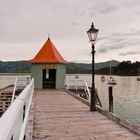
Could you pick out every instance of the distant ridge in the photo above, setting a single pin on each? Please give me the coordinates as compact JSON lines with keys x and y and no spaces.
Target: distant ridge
{"x":86,"y":68}
{"x":15,"y":66}
{"x":125,"y":68}
{"x":100,"y":65}
{"x":24,"y":66}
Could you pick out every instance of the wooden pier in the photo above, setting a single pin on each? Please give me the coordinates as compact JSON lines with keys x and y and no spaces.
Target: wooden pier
{"x":59,"y":116}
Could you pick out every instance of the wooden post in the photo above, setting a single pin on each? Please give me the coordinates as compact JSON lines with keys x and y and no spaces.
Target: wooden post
{"x":110,"y":99}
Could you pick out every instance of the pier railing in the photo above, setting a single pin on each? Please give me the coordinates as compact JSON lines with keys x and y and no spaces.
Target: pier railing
{"x":79,"y":85}
{"x":81,"y":88}
{"x":19,"y":82}
{"x":14,"y":121}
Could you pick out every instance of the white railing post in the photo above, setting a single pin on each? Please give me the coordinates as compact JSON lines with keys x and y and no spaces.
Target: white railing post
{"x":88,"y":91}
{"x":14,"y":91}
{"x":76,"y":86}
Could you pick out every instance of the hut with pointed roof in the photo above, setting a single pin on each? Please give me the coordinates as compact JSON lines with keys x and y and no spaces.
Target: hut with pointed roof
{"x":48,"y":67}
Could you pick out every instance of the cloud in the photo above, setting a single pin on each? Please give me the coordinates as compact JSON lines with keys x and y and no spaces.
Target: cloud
{"x":73,"y":23}
{"x":118,"y":41}
{"x":130,"y":3}
{"x":129,"y":53}
{"x":102,"y":38}
{"x":107,"y":8}
{"x":31,"y":21}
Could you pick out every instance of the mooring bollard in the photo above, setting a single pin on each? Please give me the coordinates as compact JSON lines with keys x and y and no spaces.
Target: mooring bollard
{"x":110,"y":99}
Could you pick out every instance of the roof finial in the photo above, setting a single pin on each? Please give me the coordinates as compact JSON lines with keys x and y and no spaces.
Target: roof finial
{"x":48,"y":36}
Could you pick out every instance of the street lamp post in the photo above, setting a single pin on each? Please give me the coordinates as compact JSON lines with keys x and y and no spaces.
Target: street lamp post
{"x":92,"y":34}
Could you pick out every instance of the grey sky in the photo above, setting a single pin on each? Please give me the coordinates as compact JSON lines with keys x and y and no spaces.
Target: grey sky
{"x":25,"y":25}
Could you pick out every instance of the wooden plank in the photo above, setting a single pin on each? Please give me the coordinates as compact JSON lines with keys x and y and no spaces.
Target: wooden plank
{"x":122,"y":121}
{"x":58,"y":115}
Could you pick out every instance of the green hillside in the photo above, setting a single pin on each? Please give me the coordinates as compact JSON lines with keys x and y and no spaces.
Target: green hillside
{"x":15,"y":67}
{"x":86,"y":68}
{"x":24,"y":67}
{"x":123,"y":68}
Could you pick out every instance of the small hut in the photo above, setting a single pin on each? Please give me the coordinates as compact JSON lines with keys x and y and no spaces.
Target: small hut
{"x":48,"y":67}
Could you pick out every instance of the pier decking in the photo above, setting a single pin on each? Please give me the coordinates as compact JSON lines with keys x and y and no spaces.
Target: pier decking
{"x":59,"y":116}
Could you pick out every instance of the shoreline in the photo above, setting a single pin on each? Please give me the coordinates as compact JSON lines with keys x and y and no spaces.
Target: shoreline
{"x":15,"y":73}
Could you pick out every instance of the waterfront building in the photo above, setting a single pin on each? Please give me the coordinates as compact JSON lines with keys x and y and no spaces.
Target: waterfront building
{"x":48,"y":67}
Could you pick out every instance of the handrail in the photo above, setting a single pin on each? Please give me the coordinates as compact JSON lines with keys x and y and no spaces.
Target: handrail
{"x":74,"y":84}
{"x":13,"y":127}
{"x":88,"y":91}
{"x":19,"y":82}
{"x":22,"y":134}
{"x":14,"y":91}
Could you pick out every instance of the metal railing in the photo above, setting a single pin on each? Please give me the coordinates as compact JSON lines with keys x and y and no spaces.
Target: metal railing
{"x":14,"y":121}
{"x":77,"y":85}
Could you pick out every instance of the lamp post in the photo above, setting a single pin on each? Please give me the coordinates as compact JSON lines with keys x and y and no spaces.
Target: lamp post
{"x":92,"y":34}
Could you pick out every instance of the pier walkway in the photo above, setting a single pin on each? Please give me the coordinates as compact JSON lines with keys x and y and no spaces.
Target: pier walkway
{"x":59,"y":116}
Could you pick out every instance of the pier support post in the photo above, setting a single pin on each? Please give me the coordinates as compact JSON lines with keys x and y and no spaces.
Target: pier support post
{"x":110,"y":99}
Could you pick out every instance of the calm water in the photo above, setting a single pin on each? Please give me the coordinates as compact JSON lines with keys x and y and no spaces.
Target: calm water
{"x":6,"y":80}
{"x":126,"y":93}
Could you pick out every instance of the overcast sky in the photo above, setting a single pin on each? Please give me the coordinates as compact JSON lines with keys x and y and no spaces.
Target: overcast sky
{"x":26,"y":24}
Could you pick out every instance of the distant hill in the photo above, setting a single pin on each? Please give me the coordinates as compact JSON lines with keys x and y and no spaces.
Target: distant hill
{"x":128,"y":68}
{"x":86,"y":68}
{"x":106,"y":64}
{"x":15,"y":67}
{"x":125,"y":68}
{"x":24,"y":66}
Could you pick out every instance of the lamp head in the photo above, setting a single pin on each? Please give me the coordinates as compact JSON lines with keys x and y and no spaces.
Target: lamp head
{"x":92,"y":33}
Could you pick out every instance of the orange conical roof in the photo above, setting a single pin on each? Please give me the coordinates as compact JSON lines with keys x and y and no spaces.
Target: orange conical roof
{"x":48,"y":54}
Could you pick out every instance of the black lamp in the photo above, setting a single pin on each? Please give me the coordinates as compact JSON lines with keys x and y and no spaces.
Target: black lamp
{"x":92,"y":34}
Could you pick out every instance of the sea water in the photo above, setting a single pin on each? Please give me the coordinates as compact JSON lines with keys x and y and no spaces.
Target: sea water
{"x":126,"y":94}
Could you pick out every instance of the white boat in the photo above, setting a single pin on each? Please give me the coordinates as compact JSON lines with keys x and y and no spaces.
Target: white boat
{"x":111,"y":80}
{"x":103,"y":79}
{"x":77,"y":76}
